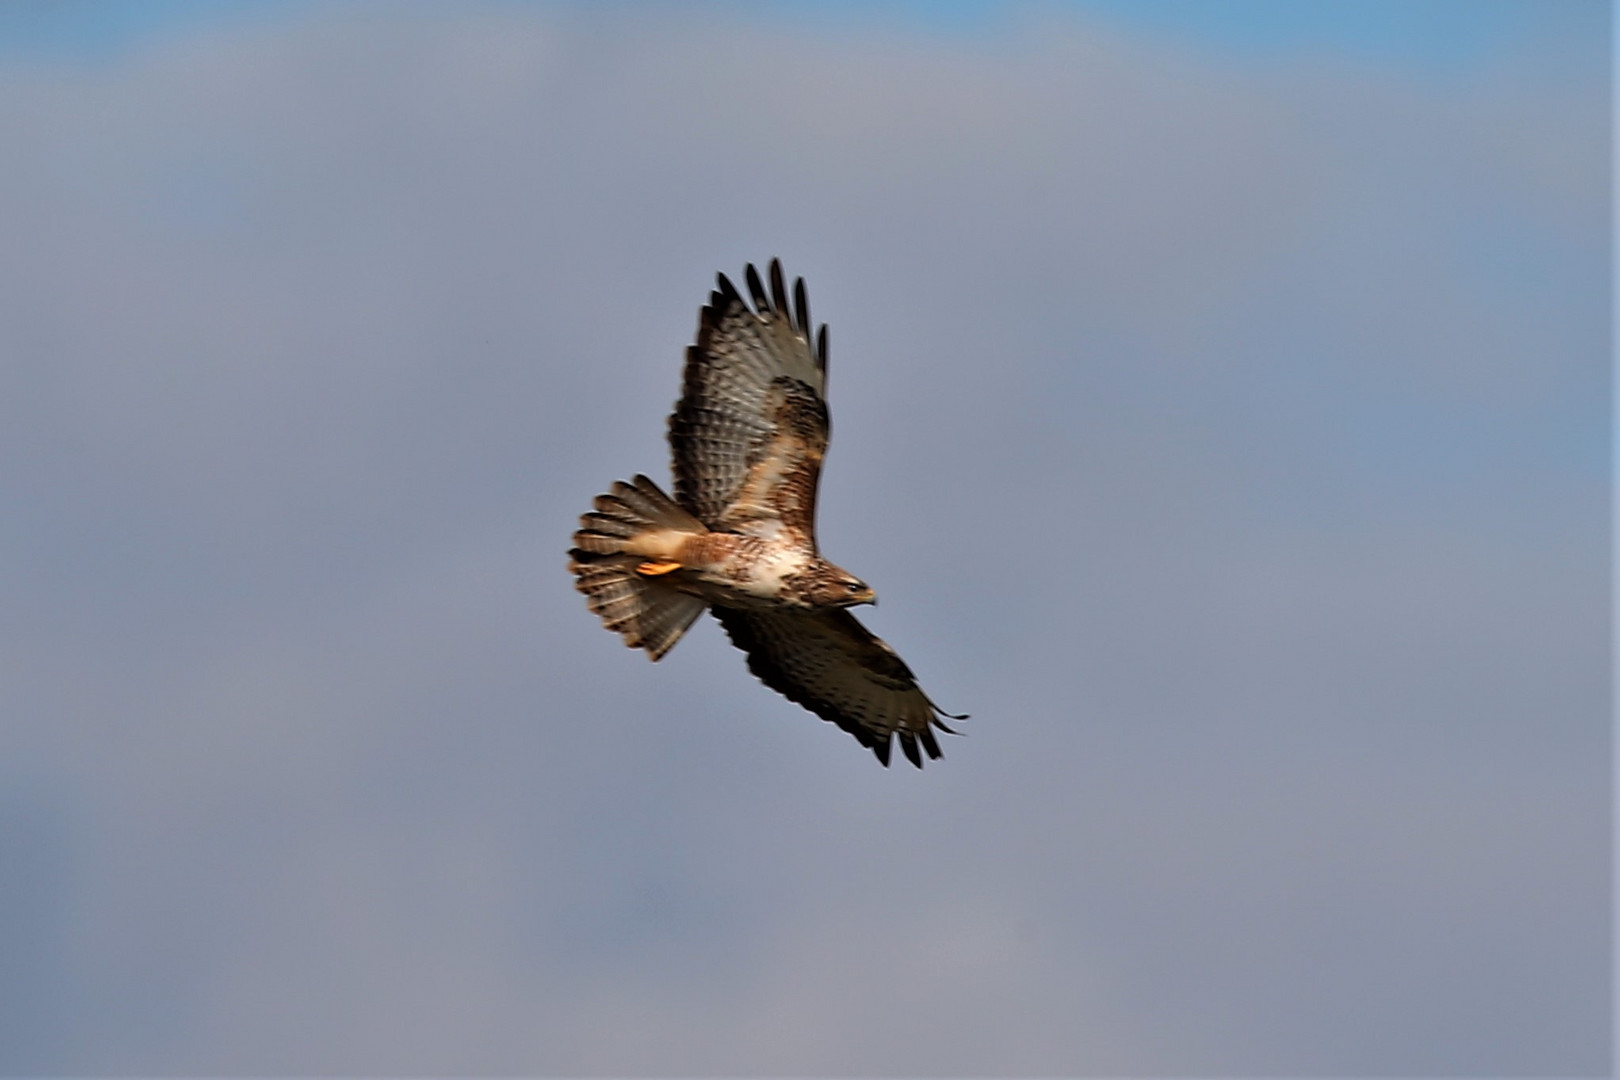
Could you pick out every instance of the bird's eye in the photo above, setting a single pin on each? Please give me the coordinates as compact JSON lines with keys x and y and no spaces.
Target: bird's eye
{"x":853,"y":586}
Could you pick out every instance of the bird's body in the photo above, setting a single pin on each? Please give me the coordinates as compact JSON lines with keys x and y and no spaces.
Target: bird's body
{"x":738,"y":538}
{"x":729,"y":569}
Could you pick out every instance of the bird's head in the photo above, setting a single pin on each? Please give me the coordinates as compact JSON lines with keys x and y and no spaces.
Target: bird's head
{"x":836,"y":587}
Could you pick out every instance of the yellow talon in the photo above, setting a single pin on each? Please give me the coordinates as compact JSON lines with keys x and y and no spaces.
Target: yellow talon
{"x":653,"y":569}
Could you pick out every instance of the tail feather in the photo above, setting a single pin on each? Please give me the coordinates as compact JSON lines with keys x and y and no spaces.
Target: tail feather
{"x":664,"y":617}
{"x":648,"y":612}
{"x":644,"y":502}
{"x":644,"y":498}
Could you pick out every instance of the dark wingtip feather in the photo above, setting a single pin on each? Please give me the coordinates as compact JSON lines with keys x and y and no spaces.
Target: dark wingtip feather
{"x":940,"y":723}
{"x":880,"y":747}
{"x":821,"y":349}
{"x":779,"y":288}
{"x":908,"y":744}
{"x":756,"y":290}
{"x":724,"y":291}
{"x":930,"y":745}
{"x":801,"y":308}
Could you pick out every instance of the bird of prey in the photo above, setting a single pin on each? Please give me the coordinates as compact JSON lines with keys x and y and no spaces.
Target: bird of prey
{"x":739,"y":537}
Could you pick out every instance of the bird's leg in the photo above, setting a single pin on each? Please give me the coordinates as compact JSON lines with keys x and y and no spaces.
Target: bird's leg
{"x":653,"y":569}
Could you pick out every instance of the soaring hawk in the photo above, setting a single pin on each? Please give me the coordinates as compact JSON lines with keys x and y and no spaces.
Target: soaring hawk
{"x":739,"y":537}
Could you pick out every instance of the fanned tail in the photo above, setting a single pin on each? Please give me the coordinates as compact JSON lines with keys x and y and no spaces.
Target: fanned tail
{"x":615,"y":563}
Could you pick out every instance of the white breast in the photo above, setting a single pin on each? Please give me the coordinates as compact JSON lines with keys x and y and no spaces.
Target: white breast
{"x":779,"y":563}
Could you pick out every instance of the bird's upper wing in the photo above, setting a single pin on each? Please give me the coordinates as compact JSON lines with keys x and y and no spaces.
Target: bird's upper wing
{"x":838,"y":669}
{"x":751,"y":427}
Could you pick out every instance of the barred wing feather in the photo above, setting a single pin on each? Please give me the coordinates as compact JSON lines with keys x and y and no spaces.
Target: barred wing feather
{"x":751,"y":427}
{"x":838,"y":669}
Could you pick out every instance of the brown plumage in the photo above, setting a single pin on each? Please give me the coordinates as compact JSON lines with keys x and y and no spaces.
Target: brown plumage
{"x":748,"y":437}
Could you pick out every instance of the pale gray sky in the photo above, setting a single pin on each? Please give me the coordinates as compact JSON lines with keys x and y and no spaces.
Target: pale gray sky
{"x":1227,"y":432}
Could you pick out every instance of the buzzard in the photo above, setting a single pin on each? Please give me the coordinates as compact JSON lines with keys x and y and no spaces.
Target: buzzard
{"x":739,"y":537}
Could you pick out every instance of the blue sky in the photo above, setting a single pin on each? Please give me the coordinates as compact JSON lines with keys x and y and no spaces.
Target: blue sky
{"x":1221,"y":409}
{"x":1428,"y":35}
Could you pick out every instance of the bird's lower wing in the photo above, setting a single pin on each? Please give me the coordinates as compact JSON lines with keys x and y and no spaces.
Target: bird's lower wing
{"x":835,"y":667}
